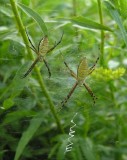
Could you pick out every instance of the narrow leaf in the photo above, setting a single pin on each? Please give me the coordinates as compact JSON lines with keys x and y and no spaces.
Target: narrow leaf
{"x":85,"y":22}
{"x":35,"y":16}
{"x":115,"y":14}
{"x":27,"y":135}
{"x":87,"y":149}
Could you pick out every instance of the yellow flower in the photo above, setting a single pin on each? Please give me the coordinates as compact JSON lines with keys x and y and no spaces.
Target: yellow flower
{"x":108,"y":74}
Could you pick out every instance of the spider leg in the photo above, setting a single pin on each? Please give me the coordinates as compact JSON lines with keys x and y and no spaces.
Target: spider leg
{"x":32,"y":46}
{"x":90,"y":71}
{"x":90,"y":92}
{"x":46,"y":64}
{"x":69,"y":94}
{"x":71,"y":72}
{"x":31,"y":67}
{"x":56,"y":44}
{"x":93,"y":67}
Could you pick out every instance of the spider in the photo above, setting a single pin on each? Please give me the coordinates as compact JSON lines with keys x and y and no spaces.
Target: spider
{"x":82,"y":72}
{"x":41,"y":51}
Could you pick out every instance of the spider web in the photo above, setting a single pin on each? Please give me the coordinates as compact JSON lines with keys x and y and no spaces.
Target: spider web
{"x":26,"y":94}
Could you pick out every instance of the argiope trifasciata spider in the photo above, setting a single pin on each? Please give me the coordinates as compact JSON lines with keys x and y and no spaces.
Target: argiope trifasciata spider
{"x":82,"y":72}
{"x":41,"y":51}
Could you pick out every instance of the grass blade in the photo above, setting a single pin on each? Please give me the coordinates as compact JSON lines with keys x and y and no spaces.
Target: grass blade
{"x":28,"y":134}
{"x":85,"y":22}
{"x":35,"y":16}
{"x":87,"y":149}
{"x":114,"y":13}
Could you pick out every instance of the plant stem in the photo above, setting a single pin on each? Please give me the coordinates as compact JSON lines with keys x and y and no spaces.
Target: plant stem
{"x":102,"y":34}
{"x":39,"y":76}
{"x":118,"y":120}
{"x":74,"y":5}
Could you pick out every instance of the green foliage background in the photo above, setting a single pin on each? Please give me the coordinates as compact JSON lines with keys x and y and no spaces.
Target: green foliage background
{"x":31,"y":127}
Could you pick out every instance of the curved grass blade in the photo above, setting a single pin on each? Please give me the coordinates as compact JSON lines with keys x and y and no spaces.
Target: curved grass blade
{"x":35,"y":16}
{"x":28,"y":134}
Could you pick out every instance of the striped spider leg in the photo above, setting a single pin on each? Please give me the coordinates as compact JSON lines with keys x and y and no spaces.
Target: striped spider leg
{"x":82,"y":72}
{"x":41,"y":51}
{"x":91,"y":69}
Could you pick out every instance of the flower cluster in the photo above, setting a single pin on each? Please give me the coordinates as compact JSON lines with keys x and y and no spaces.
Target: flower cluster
{"x":108,"y":74}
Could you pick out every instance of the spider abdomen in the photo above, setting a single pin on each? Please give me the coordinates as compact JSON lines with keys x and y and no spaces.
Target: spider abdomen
{"x":82,"y":70}
{"x":43,"y":46}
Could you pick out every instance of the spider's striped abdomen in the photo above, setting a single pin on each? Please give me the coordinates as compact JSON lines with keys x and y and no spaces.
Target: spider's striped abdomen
{"x":82,"y":70}
{"x":43,"y":46}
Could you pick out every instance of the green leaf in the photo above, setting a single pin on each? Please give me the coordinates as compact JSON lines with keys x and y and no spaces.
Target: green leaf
{"x":123,"y":8}
{"x":115,"y":14}
{"x":121,"y":5}
{"x":85,"y":22}
{"x":28,"y":134}
{"x":26,"y":2}
{"x":6,"y":11}
{"x":8,"y":103}
{"x":16,"y":115}
{"x":87,"y":149}
{"x":17,"y":84}
{"x":35,"y":16}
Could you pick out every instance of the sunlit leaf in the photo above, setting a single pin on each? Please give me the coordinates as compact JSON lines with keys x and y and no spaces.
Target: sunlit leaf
{"x":8,"y":103}
{"x":26,"y":2}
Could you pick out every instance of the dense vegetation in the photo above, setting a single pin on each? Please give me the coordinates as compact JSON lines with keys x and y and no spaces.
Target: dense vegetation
{"x":32,"y":126}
